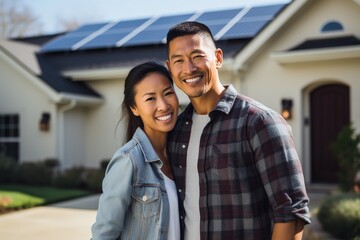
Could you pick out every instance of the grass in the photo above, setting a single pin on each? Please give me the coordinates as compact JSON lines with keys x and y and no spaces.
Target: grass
{"x":15,"y":196}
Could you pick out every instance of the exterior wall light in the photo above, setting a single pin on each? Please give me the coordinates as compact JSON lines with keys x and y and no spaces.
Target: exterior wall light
{"x":286,"y":108}
{"x":44,"y":124}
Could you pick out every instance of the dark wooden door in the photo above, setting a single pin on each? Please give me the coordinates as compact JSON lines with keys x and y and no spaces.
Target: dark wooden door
{"x":329,"y":112}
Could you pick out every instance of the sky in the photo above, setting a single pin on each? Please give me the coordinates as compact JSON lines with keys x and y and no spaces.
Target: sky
{"x":50,"y":13}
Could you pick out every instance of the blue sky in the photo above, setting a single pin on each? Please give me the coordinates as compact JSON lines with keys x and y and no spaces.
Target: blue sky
{"x":51,"y":12}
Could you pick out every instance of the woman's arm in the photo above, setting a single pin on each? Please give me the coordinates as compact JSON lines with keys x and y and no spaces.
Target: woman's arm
{"x":288,"y":231}
{"x":115,"y":199}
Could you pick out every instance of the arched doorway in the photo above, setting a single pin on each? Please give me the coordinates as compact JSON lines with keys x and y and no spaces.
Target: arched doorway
{"x":329,"y":112}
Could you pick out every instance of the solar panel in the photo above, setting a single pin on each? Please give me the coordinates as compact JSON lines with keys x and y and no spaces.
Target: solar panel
{"x":66,"y":41}
{"x":224,"y":24}
{"x":157,"y":31}
{"x":264,"y":11}
{"x":253,"y":21}
{"x":114,"y":34}
{"x":216,"y":20}
{"x":243,"y":29}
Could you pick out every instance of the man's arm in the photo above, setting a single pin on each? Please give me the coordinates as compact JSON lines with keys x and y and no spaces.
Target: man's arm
{"x":288,"y":231}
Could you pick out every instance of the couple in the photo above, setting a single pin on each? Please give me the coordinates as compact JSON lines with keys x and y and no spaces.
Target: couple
{"x":234,"y":162}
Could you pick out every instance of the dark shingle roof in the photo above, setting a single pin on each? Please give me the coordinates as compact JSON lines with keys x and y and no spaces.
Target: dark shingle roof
{"x":327,"y":43}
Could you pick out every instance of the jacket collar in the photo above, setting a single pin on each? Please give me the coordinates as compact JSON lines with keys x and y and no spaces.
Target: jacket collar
{"x":145,"y":145}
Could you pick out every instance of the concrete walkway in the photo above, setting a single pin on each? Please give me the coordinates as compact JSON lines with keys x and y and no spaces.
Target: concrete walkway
{"x":72,"y":220}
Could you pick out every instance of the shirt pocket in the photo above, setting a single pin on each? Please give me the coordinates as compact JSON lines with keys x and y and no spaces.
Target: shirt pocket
{"x":146,"y":200}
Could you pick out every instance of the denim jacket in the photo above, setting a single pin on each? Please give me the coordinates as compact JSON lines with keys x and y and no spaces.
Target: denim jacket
{"x":134,"y":202}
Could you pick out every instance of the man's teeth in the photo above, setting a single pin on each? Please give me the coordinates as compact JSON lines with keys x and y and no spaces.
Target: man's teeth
{"x":164,"y":118}
{"x":192,"y":79}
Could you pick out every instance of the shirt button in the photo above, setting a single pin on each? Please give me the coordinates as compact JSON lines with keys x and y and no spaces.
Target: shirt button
{"x":179,"y":190}
{"x":181,"y":217}
{"x":144,"y":198}
{"x":183,"y":146}
{"x":187,"y":123}
{"x":180,"y":166}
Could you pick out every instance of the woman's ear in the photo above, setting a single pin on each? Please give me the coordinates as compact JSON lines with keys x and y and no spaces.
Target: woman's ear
{"x":135,"y":111}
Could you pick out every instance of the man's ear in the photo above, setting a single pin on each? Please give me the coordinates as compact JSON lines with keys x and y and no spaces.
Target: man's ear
{"x":135,"y":111}
{"x":168,"y":67}
{"x":219,"y":58}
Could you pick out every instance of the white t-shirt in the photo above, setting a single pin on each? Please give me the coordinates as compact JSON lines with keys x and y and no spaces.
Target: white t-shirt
{"x":174,"y":225}
{"x":191,"y":201}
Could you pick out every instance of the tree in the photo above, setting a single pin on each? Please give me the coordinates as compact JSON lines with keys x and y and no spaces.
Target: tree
{"x":347,"y":152}
{"x":17,"y":20}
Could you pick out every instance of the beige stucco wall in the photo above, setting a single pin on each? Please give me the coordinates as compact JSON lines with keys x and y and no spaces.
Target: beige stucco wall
{"x":268,"y":81}
{"x":19,"y":96}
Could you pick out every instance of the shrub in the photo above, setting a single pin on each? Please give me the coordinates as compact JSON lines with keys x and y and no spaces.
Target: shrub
{"x":347,"y":153}
{"x":340,"y":215}
{"x":34,"y":173}
{"x":70,"y":178}
{"x":8,"y":169}
{"x":93,"y":179}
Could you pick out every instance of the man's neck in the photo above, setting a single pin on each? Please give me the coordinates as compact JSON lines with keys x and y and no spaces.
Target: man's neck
{"x":206,"y":103}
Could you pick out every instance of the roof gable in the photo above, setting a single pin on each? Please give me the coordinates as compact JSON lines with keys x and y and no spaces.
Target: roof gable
{"x":308,"y":18}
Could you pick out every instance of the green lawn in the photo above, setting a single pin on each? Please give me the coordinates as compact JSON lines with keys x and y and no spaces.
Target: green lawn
{"x":23,"y":196}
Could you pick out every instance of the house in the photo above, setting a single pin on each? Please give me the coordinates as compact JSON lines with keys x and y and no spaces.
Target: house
{"x":301,"y":59}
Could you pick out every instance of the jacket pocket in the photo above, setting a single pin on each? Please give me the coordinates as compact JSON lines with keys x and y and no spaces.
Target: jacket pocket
{"x":146,"y":200}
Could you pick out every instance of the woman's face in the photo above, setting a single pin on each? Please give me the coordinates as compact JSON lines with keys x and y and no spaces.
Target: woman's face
{"x":156,"y":103}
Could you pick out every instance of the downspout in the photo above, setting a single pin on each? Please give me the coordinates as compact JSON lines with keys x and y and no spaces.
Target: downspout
{"x":61,"y":132}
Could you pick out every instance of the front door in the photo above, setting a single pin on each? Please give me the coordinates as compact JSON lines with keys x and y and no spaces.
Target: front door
{"x":329,"y":112}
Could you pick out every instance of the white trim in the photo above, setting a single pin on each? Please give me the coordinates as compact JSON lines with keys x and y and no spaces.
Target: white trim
{"x":260,"y":40}
{"x":316,"y":55}
{"x":97,"y":74}
{"x":79,"y":99}
{"x":46,"y":89}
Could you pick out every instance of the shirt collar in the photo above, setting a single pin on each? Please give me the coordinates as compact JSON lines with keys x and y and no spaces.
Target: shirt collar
{"x":224,"y":105}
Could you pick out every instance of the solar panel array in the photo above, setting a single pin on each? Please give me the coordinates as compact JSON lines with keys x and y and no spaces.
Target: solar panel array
{"x":225,"y":24}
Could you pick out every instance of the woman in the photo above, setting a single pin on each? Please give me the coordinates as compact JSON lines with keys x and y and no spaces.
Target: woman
{"x":139,"y":197}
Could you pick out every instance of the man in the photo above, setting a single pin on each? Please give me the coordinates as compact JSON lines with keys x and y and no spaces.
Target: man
{"x":234,"y":160}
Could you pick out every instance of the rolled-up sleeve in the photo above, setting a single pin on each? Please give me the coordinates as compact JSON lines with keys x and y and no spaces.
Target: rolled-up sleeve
{"x":280,"y":169}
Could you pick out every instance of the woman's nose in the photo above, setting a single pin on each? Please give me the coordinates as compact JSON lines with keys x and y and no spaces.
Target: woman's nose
{"x":163,"y":105}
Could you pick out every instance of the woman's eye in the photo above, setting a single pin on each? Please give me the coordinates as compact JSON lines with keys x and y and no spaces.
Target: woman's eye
{"x":169,"y":93}
{"x":149,"y":99}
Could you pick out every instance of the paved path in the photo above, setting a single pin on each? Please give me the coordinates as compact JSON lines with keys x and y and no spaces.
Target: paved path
{"x":72,"y":220}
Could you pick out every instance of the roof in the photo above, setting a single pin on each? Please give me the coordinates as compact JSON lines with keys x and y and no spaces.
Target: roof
{"x":227,"y":24}
{"x":23,"y":56}
{"x":341,"y":41}
{"x":23,"y":53}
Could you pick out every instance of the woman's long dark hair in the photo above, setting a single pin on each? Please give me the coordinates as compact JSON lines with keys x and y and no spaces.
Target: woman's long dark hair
{"x":135,"y":75}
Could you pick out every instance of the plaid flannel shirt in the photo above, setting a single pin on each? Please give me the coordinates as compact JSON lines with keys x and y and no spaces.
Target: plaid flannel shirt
{"x":250,"y":175}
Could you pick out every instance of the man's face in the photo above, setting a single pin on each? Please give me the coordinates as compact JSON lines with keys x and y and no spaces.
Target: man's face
{"x":194,"y":62}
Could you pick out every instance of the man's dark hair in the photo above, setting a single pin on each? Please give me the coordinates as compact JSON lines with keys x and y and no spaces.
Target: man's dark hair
{"x":188,"y":28}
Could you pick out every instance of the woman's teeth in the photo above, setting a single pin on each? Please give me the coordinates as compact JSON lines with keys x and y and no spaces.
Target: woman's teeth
{"x":164,"y":118}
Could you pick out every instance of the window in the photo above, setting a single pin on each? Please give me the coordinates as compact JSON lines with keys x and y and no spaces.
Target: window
{"x":332,"y":26}
{"x":9,"y":135}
